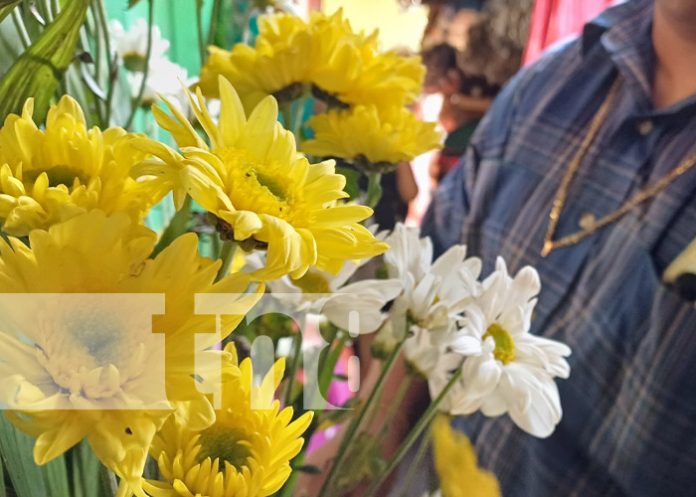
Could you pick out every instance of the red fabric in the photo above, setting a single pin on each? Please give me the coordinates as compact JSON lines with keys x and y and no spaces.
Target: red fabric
{"x":553,"y":20}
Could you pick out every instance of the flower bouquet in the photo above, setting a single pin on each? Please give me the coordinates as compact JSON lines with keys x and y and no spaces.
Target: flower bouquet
{"x":195,"y":357}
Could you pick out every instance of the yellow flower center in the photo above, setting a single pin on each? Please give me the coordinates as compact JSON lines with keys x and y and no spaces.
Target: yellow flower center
{"x":57,"y":175}
{"x":504,"y":343}
{"x":263,"y":188}
{"x":93,"y":350}
{"x":134,"y":62}
{"x":225,"y":444}
{"x":313,"y":282}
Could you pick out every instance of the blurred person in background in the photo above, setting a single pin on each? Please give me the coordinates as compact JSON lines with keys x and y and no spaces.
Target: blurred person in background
{"x":585,"y":168}
{"x":469,"y":55}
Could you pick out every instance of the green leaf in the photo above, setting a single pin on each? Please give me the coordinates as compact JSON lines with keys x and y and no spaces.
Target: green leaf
{"x":16,"y":449}
{"x":6,"y":7}
{"x":27,"y":478}
{"x":352,"y":180}
{"x":133,"y":3}
{"x":3,"y":493}
{"x":37,"y":71}
{"x":57,"y":477}
{"x":85,"y":471}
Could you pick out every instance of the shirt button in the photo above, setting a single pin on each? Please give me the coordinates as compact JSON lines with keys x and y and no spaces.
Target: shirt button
{"x":587,"y":220}
{"x":645,"y":127}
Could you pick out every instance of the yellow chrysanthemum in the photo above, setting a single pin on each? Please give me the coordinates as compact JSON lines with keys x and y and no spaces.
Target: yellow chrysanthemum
{"x":262,"y":191}
{"x":245,"y":453}
{"x":324,"y":53}
{"x":456,"y":464}
{"x":367,"y":134}
{"x":386,"y":80}
{"x":48,"y":176}
{"x":94,"y":365}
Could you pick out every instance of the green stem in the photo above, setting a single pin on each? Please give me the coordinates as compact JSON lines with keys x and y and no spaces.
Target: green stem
{"x":212,"y":32}
{"x":286,"y":111}
{"x":199,"y":29}
{"x":177,"y":227}
{"x":298,"y":119}
{"x":111,"y":65}
{"x":21,"y":28}
{"x":47,"y":10}
{"x":97,"y":44}
{"x":374,"y":189}
{"x":357,"y":422}
{"x":146,"y":70}
{"x":229,"y":247}
{"x":412,"y":437}
{"x":294,"y":364}
{"x":215,"y":243}
{"x":412,"y":471}
{"x":82,"y":73}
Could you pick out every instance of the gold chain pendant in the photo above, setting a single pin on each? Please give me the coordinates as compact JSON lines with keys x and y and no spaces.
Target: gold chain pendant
{"x":591,"y":226}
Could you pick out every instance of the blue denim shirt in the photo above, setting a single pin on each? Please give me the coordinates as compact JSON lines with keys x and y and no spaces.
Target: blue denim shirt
{"x":629,"y":423}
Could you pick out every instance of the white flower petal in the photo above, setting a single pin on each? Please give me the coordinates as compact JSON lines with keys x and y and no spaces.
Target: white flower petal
{"x":444,"y":264}
{"x":494,"y":405}
{"x":481,"y":376}
{"x":346,"y":272}
{"x":358,"y":307}
{"x":423,"y":296}
{"x":466,"y":345}
{"x":533,"y":401}
{"x":476,"y":323}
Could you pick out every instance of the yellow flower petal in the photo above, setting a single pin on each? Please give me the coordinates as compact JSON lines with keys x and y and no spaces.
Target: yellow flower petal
{"x":115,"y":398}
{"x":381,"y":135}
{"x":323,"y":52}
{"x":245,"y":453}
{"x":265,"y":190}
{"x":65,"y":169}
{"x":456,"y":464}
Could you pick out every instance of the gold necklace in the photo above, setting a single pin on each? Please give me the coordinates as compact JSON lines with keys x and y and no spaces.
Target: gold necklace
{"x":561,"y":195}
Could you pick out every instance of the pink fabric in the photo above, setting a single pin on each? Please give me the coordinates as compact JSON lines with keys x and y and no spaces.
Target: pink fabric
{"x":553,"y":20}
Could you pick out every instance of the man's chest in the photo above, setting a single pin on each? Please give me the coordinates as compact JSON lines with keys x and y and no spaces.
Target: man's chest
{"x":624,"y":195}
{"x":632,"y":336}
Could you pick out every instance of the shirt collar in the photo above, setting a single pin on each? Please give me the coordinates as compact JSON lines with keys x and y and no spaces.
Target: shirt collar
{"x":624,"y":31}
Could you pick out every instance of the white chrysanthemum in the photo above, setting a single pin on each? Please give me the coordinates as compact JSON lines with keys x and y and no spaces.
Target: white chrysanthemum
{"x":434,"y":292}
{"x":434,"y":295}
{"x":506,"y":370}
{"x":164,"y":79}
{"x":356,"y":307}
{"x":131,"y":45}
